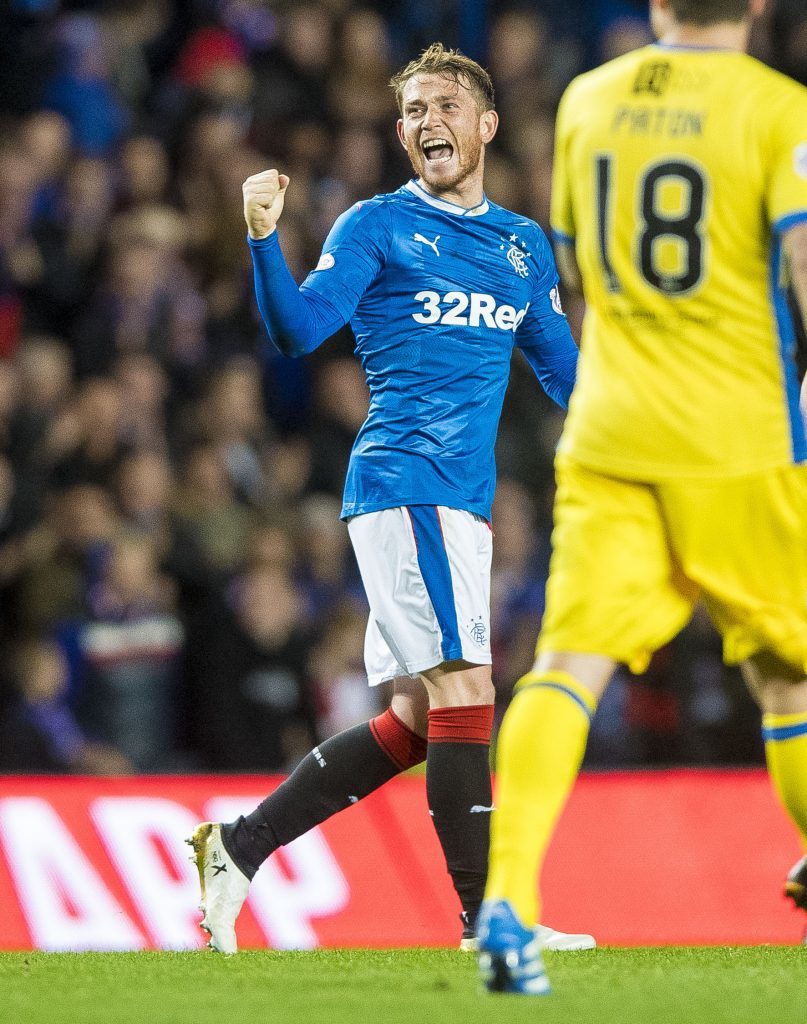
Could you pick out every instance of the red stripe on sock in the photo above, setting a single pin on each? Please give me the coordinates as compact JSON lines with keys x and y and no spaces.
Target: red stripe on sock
{"x":472,"y":724}
{"x":401,"y":745}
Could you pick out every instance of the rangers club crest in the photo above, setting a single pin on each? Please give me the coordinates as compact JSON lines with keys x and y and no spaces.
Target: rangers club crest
{"x":516,"y":254}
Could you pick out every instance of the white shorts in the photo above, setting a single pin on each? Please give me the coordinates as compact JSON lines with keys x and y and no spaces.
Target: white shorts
{"x":426,"y":571}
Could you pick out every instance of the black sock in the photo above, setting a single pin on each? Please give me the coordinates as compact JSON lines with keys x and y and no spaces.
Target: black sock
{"x":459,"y":791}
{"x":337,"y":773}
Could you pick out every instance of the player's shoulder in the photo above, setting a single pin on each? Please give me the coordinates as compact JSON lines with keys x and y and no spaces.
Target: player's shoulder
{"x":375,"y":206}
{"x":769,"y":79}
{"x":777,"y":98}
{"x":365,"y":216}
{"x":517,"y":223}
{"x":772,"y":104}
{"x":591,"y":84}
{"x":521,"y":233}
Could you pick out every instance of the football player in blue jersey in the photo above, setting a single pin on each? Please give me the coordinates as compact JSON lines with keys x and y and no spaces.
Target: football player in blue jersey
{"x":438,"y":285}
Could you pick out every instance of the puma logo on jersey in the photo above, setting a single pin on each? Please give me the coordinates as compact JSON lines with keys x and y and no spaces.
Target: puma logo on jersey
{"x":481,"y":809}
{"x":460,"y":309}
{"x":417,"y":237}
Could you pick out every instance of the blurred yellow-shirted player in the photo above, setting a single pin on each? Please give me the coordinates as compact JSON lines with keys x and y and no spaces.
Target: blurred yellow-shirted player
{"x":680,"y":205}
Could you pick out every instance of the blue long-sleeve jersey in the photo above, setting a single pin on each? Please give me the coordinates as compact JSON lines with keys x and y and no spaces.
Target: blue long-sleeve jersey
{"x":437,"y":296}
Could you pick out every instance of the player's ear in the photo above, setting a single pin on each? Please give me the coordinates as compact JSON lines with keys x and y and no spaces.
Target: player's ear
{"x":488,"y":123}
{"x":399,"y":129}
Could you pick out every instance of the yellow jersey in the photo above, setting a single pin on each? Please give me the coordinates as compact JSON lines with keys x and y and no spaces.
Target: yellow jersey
{"x":676,"y":172}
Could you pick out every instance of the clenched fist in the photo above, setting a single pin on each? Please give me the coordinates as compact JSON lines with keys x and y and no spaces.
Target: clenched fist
{"x":264,"y":195}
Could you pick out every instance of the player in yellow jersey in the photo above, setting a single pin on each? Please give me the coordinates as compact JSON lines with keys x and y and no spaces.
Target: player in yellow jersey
{"x":680,"y":205}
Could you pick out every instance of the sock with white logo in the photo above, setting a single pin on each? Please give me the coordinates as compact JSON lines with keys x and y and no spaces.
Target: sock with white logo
{"x":336,"y":774}
{"x":458,"y":788}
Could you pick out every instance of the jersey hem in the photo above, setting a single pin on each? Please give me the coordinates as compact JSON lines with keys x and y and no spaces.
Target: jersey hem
{"x":364,"y":507}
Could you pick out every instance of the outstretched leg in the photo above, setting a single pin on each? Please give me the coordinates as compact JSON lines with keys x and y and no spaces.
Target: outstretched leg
{"x":335,"y":775}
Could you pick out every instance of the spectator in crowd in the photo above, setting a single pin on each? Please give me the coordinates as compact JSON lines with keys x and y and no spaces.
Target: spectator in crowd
{"x":253,"y":696}
{"x":129,"y":640}
{"x":38,"y":730}
{"x":343,"y":697}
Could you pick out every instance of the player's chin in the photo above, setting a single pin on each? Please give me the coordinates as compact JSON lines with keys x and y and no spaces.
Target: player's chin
{"x":441,"y":174}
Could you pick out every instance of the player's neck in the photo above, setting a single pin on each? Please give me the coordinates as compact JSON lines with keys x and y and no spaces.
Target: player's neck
{"x":468,"y":193}
{"x":725,"y":35}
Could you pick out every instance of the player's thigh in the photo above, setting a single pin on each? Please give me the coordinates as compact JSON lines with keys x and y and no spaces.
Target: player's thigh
{"x":745,"y":541}
{"x":426,"y":571}
{"x":614,"y":588}
{"x":380,"y":663}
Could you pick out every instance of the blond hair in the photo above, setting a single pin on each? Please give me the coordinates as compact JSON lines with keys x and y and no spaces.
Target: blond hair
{"x":437,"y":60}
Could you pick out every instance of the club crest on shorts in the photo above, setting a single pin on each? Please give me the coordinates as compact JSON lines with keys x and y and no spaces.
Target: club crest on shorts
{"x":478,"y":631}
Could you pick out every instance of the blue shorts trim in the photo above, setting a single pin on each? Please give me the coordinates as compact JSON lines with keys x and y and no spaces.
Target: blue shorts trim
{"x":436,"y":572}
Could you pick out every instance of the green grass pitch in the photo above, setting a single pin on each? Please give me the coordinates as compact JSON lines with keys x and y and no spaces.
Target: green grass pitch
{"x":760,"y":985}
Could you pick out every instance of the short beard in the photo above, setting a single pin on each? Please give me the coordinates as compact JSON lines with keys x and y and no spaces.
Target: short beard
{"x":467,"y":166}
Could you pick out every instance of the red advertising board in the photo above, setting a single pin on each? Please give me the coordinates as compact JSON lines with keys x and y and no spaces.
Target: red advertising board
{"x":639,"y":859}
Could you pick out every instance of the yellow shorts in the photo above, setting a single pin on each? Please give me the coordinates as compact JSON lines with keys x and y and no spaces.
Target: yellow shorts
{"x":630,"y":561}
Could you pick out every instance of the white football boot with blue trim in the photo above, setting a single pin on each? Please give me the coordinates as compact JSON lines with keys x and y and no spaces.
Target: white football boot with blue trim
{"x":509,"y":954}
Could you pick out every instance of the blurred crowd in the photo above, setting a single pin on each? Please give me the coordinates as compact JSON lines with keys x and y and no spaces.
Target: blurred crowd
{"x":176,"y":589}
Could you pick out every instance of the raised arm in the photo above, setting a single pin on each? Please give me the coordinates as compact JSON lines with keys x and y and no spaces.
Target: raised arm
{"x":299,"y":319}
{"x":296,"y":325}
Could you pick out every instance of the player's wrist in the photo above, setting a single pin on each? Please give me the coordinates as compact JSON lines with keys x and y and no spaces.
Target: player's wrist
{"x":260,"y":236}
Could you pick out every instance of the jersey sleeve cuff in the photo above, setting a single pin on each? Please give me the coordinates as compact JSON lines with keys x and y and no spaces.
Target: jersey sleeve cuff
{"x":562,"y":237}
{"x":788,"y":221}
{"x":270,"y":242}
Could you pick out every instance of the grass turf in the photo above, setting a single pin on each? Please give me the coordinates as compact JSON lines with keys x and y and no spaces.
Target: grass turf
{"x":760,"y":985}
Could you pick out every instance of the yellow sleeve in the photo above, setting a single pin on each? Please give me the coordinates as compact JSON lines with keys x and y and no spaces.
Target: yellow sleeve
{"x":561,"y":212}
{"x":787,"y":182}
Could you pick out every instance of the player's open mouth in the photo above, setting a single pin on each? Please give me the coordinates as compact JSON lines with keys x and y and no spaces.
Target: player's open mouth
{"x":437,"y":151}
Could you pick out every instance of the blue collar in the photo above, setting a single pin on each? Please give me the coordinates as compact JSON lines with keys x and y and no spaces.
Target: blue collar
{"x":693,"y":46}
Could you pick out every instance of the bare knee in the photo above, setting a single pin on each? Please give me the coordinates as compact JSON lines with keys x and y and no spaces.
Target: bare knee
{"x":778,"y":688}
{"x":410,"y":702}
{"x":459,"y":684}
{"x":594,"y":671}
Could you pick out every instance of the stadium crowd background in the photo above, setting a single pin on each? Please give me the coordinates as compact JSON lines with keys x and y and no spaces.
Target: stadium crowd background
{"x":176,"y":590}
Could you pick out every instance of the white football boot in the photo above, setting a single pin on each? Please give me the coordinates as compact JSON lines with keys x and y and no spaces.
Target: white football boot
{"x":224,"y":887}
{"x":548,"y":938}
